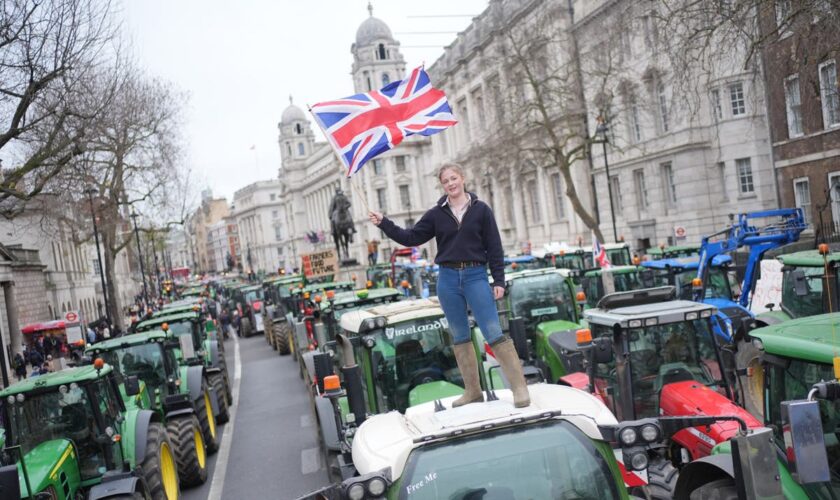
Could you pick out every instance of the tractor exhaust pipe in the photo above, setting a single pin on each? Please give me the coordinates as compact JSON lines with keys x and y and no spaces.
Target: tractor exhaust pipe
{"x":352,"y":380}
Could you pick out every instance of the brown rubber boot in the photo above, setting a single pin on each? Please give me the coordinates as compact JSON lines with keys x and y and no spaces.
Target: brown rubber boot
{"x":467,"y":363}
{"x":507,"y":357}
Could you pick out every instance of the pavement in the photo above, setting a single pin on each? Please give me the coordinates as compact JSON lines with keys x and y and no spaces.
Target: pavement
{"x":269,"y":448}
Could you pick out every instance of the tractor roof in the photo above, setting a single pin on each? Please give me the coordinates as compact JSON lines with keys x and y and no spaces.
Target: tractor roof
{"x":250,"y":288}
{"x":282,"y":280}
{"x":182,"y":308}
{"x":519,"y":258}
{"x":673,"y":249}
{"x":615,"y":246}
{"x":329,"y":285}
{"x":814,"y":338}
{"x":685,"y":262}
{"x":622,"y":307}
{"x":613,"y":270}
{"x":169,"y":318}
{"x":386,"y":440}
{"x":65,"y":376}
{"x":807,"y":258}
{"x":564,"y":273}
{"x":127,"y":340}
{"x":394,"y":312}
{"x":353,"y":296}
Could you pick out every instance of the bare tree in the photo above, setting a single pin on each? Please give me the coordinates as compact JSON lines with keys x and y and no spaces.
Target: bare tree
{"x":47,"y":52}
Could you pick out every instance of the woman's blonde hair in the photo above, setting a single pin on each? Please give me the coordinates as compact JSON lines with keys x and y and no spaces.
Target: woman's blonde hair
{"x":451,"y":166}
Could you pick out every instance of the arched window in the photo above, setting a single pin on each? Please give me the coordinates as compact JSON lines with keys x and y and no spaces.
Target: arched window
{"x":298,"y":129}
{"x":288,"y":149}
{"x":367,"y":80}
{"x":301,"y":150}
{"x":385,"y":79}
{"x":381,"y":51}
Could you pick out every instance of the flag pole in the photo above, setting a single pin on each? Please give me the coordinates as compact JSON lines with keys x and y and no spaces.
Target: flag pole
{"x":340,"y":162}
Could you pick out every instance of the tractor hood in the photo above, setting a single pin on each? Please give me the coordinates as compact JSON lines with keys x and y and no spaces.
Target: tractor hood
{"x":558,"y":325}
{"x":431,"y":391}
{"x":45,"y":461}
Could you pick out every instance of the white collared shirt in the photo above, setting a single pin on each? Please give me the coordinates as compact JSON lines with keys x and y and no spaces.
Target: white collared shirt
{"x":458,"y":213}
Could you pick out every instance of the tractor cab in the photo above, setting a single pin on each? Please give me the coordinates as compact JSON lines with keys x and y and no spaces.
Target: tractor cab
{"x":806,"y":288}
{"x":335,"y":305}
{"x":249,"y":301}
{"x":673,"y":252}
{"x":599,"y":282}
{"x":185,"y":325}
{"x":617,"y":253}
{"x":569,"y":258}
{"x":523,"y":263}
{"x":63,"y":430}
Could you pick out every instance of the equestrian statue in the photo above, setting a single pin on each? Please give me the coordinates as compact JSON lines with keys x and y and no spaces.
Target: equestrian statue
{"x":341,"y":223}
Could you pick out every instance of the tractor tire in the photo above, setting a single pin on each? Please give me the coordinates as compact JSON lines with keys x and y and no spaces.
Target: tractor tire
{"x":662,"y":480}
{"x":747,"y":356}
{"x":190,"y":451}
{"x":206,"y":419}
{"x":159,"y":467}
{"x":246,"y":327}
{"x":217,"y":382}
{"x":282,"y":341}
{"x":719,"y":489}
{"x":134,"y":496}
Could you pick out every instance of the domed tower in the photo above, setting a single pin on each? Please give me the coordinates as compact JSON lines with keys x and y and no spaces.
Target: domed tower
{"x":377,"y":60}
{"x":296,"y":138}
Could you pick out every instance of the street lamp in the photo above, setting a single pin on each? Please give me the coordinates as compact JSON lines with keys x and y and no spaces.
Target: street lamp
{"x":601,"y":136}
{"x":157,"y":266}
{"x":140,"y":257}
{"x":90,"y":192}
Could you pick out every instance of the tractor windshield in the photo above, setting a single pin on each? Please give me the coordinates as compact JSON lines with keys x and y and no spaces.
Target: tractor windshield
{"x":659,"y":355}
{"x":570,"y":261}
{"x":253,"y":295}
{"x":803,"y":291}
{"x":147,"y":361}
{"x":409,"y":354}
{"x":63,"y":413}
{"x":619,"y":256}
{"x":594,"y":285}
{"x":551,"y":460}
{"x":541,"y":298}
{"x":720,"y":284}
{"x":794,"y":382}
{"x":186,"y":328}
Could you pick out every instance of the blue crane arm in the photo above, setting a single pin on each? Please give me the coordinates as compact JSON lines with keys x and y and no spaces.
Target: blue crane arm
{"x":759,"y":241}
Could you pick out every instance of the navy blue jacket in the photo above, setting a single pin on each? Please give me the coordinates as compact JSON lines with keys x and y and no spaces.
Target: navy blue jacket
{"x":475,"y":239}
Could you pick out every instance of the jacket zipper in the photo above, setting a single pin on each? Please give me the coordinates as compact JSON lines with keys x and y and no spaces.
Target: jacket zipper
{"x":451,"y":214}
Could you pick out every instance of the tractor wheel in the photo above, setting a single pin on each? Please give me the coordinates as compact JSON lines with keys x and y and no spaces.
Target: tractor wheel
{"x":190,"y":452}
{"x":134,"y":496}
{"x":217,"y":382}
{"x":719,"y":489}
{"x":282,"y":341}
{"x":752,"y":382}
{"x":204,"y":411}
{"x":662,"y":480}
{"x":246,"y":328}
{"x":159,"y":466}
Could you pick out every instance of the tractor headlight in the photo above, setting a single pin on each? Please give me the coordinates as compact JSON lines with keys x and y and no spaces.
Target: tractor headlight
{"x":639,"y":461}
{"x":651,"y":321}
{"x":376,"y":486}
{"x":706,"y":314}
{"x":380,"y":322}
{"x":650,"y":433}
{"x":628,"y":436}
{"x":369,"y":341}
{"x":356,"y":491}
{"x":691,"y":316}
{"x":634,"y":323}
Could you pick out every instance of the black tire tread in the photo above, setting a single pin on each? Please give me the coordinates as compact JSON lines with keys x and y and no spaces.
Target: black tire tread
{"x":217,"y":382}
{"x":155,"y":436}
{"x":180,"y":431}
{"x":719,"y":489}
{"x":662,"y":481}
{"x":210,"y":441}
{"x":281,"y":338}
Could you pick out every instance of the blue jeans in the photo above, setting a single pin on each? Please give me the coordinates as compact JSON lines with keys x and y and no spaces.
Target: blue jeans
{"x":458,"y":288}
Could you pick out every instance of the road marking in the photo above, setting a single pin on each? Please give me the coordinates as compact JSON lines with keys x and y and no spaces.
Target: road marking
{"x":306,"y":421}
{"x":218,"y":484}
{"x":310,"y":460}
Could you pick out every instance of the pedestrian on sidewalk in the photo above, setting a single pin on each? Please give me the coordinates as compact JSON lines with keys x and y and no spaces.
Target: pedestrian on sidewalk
{"x":468,"y":241}
{"x":20,"y":366}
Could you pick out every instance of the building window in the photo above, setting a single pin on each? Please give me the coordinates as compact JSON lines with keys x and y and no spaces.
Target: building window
{"x":380,"y":52}
{"x":745,"y":176}
{"x":664,"y":118}
{"x":615,"y":188}
{"x":782,"y":11}
{"x":377,"y":167}
{"x":301,"y":149}
{"x":272,"y":197}
{"x":794,"y":106}
{"x":717,"y":111}
{"x":478,"y":106}
{"x":669,"y":184}
{"x":298,"y":129}
{"x":274,"y":214}
{"x":559,"y":196}
{"x":736,"y":99}
{"x":382,"y":199}
{"x":464,"y":117}
{"x":802,"y":197}
{"x":834,"y":193}
{"x":279,"y":251}
{"x":496,"y":96}
{"x":96,"y":268}
{"x":400,"y":164}
{"x":721,"y":171}
{"x":405,"y":197}
{"x":650,"y":32}
{"x":829,"y":94}
{"x":634,"y":126}
{"x":385,"y":79}
{"x":366,"y":76}
{"x":288,"y":149}
{"x":625,"y":43}
{"x":278,"y":233}
{"x":641,"y":189}
{"x":536,"y":211}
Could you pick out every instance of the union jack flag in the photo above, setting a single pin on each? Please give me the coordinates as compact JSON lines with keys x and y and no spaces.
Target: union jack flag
{"x":599,"y":253}
{"x":363,"y":126}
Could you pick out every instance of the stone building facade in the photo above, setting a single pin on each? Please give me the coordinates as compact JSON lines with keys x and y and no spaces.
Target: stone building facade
{"x":259,"y":215}
{"x":211,"y":211}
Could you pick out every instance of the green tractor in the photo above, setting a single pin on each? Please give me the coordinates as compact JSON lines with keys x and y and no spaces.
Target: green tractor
{"x":278,"y":311}
{"x":305,"y":327}
{"x":197,"y":349}
{"x":179,"y":395}
{"x":210,"y":329}
{"x":596,"y":283}
{"x":69,"y":434}
{"x":806,"y":288}
{"x":797,"y":357}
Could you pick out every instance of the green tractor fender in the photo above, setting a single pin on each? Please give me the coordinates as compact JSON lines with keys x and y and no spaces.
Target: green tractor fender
{"x":135,"y":430}
{"x":121,"y":486}
{"x":194,"y":377}
{"x":327,"y":422}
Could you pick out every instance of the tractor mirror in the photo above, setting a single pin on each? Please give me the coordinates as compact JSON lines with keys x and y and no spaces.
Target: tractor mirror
{"x":185,"y":342}
{"x":602,"y":351}
{"x":132,"y":385}
{"x":805,"y":441}
{"x":800,"y":286}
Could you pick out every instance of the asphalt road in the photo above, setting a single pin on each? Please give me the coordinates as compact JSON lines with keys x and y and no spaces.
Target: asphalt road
{"x":273,"y":449}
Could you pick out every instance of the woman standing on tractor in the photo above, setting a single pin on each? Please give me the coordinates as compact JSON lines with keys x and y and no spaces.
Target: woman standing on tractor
{"x":468,"y":241}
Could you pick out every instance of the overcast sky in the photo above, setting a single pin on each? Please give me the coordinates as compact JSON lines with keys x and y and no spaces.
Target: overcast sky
{"x":239,"y":61}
